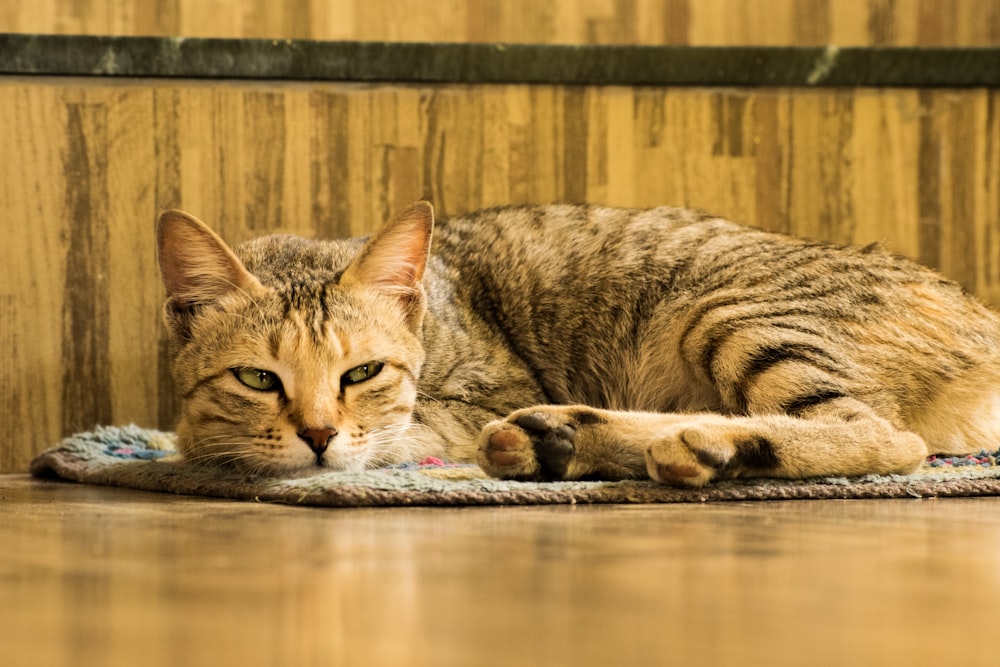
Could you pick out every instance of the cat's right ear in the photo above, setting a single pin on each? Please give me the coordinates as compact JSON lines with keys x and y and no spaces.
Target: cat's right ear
{"x":196,"y":264}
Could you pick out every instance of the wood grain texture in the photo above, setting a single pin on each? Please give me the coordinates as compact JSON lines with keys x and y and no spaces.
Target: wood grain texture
{"x":92,"y":163}
{"x":694,"y":22}
{"x":115,"y":578}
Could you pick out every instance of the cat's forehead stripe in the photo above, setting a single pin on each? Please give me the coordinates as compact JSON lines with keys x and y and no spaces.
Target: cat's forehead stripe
{"x":309,"y":331}
{"x":313,"y":306}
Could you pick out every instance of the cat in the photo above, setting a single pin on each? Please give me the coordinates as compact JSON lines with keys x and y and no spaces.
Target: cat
{"x":572,"y":342}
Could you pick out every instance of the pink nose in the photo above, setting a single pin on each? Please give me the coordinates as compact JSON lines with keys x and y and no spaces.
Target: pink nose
{"x":318,"y":438}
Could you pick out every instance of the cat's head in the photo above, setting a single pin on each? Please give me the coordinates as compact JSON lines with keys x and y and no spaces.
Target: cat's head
{"x":294,"y":356}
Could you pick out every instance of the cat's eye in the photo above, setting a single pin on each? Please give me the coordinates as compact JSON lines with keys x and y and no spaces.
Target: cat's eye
{"x":258,"y":379}
{"x":361,"y":373}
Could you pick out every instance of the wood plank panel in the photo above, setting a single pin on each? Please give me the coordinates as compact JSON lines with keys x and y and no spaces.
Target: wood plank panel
{"x":91,"y":163}
{"x":695,"y":22}
{"x":35,"y":229}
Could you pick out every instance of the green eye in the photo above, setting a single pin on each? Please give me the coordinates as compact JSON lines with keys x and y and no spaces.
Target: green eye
{"x":361,"y":373}
{"x":257,"y":379}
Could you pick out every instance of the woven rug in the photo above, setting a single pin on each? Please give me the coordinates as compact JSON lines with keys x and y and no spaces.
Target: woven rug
{"x":130,"y":457}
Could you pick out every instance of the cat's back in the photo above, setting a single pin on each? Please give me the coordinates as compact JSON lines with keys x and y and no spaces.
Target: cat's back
{"x":565,"y":237}
{"x":527,"y":258}
{"x":579,"y":291}
{"x":561,"y":254}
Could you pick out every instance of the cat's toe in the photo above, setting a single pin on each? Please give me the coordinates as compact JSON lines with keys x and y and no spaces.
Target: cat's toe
{"x":506,"y":451}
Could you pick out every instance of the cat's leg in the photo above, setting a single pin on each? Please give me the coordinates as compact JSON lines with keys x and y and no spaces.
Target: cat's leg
{"x":840,"y":437}
{"x":837,"y":437}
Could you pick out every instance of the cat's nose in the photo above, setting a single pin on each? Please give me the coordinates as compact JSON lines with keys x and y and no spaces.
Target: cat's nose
{"x":318,"y":438}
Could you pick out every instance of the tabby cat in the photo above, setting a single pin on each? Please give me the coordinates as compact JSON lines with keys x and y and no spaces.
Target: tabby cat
{"x":569,"y":342}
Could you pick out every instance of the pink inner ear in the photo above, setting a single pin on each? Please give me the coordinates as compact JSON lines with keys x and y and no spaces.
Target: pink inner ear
{"x":408,"y":268}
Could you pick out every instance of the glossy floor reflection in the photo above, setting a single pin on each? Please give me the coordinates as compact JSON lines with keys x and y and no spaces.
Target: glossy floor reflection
{"x":101,"y":576}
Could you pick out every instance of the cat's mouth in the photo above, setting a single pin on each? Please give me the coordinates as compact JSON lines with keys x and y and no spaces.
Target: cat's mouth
{"x":353,"y":458}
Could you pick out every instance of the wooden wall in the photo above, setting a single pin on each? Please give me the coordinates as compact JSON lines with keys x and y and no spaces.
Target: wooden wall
{"x":695,"y":22}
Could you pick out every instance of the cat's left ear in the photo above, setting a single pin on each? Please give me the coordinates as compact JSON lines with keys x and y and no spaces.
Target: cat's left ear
{"x":196,"y":264}
{"x":394,"y":259}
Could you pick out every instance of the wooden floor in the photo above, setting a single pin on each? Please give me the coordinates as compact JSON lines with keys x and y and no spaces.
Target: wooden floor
{"x":99,"y":576}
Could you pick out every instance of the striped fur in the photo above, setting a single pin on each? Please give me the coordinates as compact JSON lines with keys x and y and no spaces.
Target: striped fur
{"x":568,"y":342}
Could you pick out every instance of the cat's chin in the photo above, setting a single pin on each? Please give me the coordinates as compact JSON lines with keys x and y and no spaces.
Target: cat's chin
{"x":303,"y":471}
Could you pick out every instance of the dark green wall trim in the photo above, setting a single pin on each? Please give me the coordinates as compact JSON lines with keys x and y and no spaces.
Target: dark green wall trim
{"x":60,"y":55}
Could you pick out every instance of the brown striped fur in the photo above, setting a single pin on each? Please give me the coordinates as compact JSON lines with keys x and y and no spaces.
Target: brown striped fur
{"x":567,"y":342}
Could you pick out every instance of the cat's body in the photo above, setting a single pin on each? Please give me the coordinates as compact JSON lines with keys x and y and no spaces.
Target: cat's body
{"x":589,"y":342}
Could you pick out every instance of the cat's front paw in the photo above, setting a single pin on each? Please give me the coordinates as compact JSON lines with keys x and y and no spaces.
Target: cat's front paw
{"x":529,"y":445}
{"x":693,"y":454}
